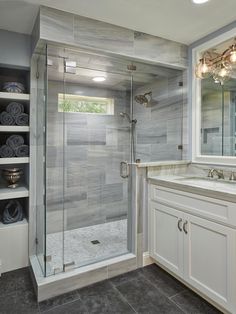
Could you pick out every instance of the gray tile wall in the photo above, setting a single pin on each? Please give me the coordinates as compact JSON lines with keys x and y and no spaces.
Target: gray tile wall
{"x":88,"y":164}
{"x":74,"y":30}
{"x":159,"y":128}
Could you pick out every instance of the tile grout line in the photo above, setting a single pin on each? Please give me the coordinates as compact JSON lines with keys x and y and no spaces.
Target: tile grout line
{"x":123,"y":297}
{"x":58,"y":306}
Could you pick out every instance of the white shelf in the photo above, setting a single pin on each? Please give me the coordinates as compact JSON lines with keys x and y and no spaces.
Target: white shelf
{"x":14,"y":160}
{"x":14,"y":128}
{"x":14,"y":96}
{"x":15,"y":224}
{"x":9,"y":193}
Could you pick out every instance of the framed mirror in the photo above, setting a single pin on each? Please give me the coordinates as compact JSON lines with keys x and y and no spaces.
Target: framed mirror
{"x":214,"y":103}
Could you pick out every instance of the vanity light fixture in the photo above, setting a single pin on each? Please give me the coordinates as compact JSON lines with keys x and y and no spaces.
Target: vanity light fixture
{"x":99,"y":79}
{"x":199,"y":1}
{"x":219,"y":66}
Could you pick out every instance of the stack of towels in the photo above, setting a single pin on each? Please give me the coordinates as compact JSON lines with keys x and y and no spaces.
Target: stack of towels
{"x":14,"y":115}
{"x":14,"y":147}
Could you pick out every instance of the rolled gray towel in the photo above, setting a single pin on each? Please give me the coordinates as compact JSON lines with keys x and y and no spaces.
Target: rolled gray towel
{"x":22,"y":151}
{"x":6,"y":151}
{"x":15,"y":108}
{"x":14,"y":141}
{"x":22,"y":119}
{"x":6,"y":118}
{"x":13,"y":212}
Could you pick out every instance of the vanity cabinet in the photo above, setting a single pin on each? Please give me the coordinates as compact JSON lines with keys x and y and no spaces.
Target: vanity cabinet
{"x":199,"y":251}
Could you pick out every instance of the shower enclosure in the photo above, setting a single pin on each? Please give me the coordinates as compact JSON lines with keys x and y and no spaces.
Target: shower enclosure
{"x":85,"y":213}
{"x":96,"y":115}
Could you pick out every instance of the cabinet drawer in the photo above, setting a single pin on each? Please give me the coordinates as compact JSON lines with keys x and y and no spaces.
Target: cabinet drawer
{"x":218,"y":210}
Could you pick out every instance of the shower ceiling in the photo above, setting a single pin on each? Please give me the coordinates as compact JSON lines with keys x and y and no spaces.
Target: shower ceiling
{"x":90,"y":65}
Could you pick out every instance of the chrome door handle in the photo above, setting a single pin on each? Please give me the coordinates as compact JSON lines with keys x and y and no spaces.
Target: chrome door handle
{"x":184,"y":227}
{"x":179,"y":224}
{"x":124,"y":169}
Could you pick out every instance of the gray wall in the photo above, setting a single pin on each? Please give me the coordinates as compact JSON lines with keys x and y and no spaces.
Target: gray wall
{"x":15,"y":49}
{"x":78,"y":31}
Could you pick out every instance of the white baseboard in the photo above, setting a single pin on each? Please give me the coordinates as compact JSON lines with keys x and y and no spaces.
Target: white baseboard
{"x":147,"y":260}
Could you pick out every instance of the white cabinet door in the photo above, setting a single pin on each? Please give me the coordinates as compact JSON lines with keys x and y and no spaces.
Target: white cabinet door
{"x":209,"y":259}
{"x":166,"y":237}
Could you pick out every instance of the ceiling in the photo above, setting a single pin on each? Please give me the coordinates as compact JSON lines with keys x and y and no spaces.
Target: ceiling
{"x":178,"y":20}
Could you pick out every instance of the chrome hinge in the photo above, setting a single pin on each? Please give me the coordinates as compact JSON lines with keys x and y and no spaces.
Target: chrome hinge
{"x":68,"y":266}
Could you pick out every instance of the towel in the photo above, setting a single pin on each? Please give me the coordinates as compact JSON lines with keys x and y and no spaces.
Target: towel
{"x":6,"y":118}
{"x":14,"y":141}
{"x":22,"y":151}
{"x":15,"y":108}
{"x":6,"y":151}
{"x":13,"y":212}
{"x":22,"y":119}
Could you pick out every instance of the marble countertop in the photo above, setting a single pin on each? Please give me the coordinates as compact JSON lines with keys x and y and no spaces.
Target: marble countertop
{"x":162,"y":163}
{"x":215,"y":188}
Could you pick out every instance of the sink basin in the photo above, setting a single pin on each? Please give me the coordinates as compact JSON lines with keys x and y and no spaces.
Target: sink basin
{"x":216,"y":184}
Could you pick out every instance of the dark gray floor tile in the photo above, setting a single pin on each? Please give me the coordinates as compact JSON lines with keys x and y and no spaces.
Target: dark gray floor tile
{"x":76,"y":307}
{"x":191,"y":303}
{"x":19,"y":303}
{"x":145,"y":298}
{"x":7,"y":283}
{"x":125,"y":277}
{"x":60,"y":300}
{"x":162,"y":280}
{"x":104,"y":298}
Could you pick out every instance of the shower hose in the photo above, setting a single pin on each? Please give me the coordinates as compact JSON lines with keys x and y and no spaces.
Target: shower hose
{"x":13,"y":212}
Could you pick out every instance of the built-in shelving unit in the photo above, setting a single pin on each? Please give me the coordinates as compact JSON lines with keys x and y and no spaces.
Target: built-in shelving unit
{"x":14,"y":160}
{"x":14,"y":128}
{"x":14,"y":96}
{"x":15,"y":234}
{"x":9,"y":193}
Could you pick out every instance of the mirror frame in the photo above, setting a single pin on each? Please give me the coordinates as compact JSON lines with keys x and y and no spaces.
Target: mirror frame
{"x":195,"y":97}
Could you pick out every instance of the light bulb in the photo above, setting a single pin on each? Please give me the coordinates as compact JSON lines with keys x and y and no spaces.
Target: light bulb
{"x":99,"y":79}
{"x":199,"y":1}
{"x":203,"y":69}
{"x":232,"y":56}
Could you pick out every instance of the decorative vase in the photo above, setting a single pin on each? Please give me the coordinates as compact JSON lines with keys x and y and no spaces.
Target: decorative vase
{"x":12,"y":176}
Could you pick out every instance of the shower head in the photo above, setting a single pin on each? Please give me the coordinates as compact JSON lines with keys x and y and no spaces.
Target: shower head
{"x":144,"y":99}
{"x":127,"y":116}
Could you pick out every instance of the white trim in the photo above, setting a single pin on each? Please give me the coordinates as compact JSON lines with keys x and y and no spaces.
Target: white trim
{"x":196,"y":104}
{"x":147,"y":259}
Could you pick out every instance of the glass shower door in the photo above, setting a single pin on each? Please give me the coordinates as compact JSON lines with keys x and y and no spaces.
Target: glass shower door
{"x":96,"y":107}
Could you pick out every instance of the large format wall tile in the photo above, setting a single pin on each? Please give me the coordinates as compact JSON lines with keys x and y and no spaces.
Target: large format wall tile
{"x":74,"y":30}
{"x":100,"y":35}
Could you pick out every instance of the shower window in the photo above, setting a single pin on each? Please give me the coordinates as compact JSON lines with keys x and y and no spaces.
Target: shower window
{"x":85,"y":104}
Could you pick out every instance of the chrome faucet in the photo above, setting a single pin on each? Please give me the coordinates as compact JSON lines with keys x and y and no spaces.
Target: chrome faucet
{"x":218,"y":172}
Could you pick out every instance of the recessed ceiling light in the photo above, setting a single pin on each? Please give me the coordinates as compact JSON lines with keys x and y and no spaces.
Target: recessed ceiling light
{"x":99,"y":79}
{"x":199,"y":1}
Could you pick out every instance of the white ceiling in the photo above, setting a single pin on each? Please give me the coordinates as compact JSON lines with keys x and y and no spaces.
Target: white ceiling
{"x":178,"y":20}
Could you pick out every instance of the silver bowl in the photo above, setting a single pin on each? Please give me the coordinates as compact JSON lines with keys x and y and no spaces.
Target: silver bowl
{"x":12,"y":176}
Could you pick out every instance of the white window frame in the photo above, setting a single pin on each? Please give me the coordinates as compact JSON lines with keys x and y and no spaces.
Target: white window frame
{"x":196,"y":104}
{"x":110,"y":104}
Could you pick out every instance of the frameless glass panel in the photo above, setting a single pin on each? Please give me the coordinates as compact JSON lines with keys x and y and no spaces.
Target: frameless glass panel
{"x":41,"y":90}
{"x":158,"y":109}
{"x":54,"y":168}
{"x":97,"y":139}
